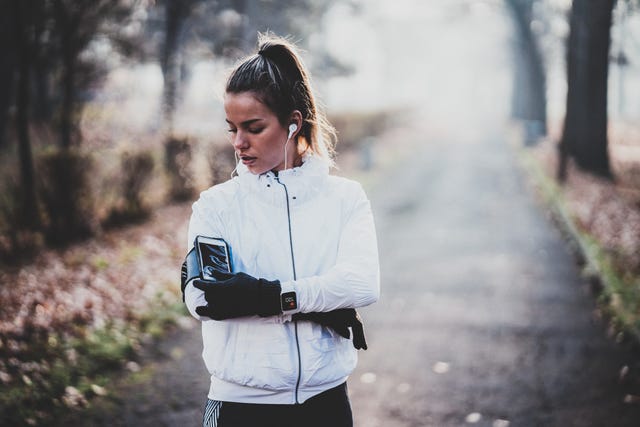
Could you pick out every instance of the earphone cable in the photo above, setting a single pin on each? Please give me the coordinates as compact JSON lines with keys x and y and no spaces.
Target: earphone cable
{"x":235,"y":170}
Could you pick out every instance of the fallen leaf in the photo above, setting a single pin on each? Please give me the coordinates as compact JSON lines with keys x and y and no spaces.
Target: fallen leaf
{"x":473,"y":417}
{"x":99,"y":391}
{"x":441,"y":367}
{"x":632,"y":398}
{"x":368,"y":378}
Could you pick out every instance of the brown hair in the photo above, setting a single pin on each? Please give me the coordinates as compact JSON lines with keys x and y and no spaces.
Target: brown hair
{"x":277,"y":76}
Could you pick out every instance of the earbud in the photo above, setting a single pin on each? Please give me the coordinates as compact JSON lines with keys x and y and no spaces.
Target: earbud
{"x":292,"y":128}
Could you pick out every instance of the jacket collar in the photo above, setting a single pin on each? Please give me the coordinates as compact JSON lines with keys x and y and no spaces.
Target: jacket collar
{"x":302,"y":182}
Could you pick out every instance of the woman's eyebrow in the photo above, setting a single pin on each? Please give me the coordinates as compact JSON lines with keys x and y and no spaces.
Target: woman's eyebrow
{"x":246,"y":122}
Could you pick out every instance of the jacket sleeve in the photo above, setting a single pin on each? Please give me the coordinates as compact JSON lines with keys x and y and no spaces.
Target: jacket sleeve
{"x":354,"y":281}
{"x":202,"y":222}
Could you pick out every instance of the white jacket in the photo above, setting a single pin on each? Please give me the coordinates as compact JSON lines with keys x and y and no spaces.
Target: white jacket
{"x":320,"y":243}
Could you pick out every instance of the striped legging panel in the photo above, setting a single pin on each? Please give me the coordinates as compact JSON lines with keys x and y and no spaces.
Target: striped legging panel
{"x":211,"y":413}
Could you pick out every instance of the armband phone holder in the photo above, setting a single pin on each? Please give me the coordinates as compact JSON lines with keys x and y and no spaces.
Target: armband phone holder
{"x":207,"y":255}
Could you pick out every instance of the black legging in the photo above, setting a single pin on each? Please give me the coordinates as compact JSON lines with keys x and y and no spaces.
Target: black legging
{"x":329,"y":408}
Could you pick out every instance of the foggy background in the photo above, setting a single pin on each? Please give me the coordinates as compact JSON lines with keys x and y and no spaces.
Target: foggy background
{"x":111,"y":123}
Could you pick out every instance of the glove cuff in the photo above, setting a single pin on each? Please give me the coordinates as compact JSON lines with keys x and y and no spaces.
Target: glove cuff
{"x":269,"y":298}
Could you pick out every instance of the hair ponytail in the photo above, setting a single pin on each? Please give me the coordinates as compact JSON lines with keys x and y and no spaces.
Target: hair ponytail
{"x":278,"y":77}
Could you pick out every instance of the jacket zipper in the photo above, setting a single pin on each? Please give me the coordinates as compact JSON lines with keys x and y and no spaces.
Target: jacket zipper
{"x":295,"y":277}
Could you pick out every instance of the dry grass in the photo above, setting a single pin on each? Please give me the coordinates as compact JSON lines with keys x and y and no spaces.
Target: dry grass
{"x":72,"y":314}
{"x":604,"y":215}
{"x":606,"y":210}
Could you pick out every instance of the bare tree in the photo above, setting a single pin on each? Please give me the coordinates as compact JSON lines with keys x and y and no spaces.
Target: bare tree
{"x":50,"y":40}
{"x":77,"y":23}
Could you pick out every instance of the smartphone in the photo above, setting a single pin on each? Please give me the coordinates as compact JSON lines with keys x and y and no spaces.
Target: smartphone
{"x":213,"y":254}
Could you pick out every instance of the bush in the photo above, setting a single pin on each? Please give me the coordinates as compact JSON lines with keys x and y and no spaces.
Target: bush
{"x":65,"y":194}
{"x":56,"y":373}
{"x":178,"y":166}
{"x":17,"y":239}
{"x":137,"y":169}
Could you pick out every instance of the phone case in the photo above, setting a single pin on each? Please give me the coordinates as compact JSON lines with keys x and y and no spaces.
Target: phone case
{"x":213,"y":255}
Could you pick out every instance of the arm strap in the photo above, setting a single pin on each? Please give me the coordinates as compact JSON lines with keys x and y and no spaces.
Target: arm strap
{"x":190,"y":270}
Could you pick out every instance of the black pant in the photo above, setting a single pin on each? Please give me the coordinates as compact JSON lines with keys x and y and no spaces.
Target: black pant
{"x":328,"y":409}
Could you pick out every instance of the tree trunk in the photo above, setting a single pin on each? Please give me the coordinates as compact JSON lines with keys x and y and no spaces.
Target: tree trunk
{"x":69,"y":59}
{"x":593,"y":155}
{"x":67,"y":24}
{"x":29,"y":212}
{"x":7,"y":65}
{"x":242,"y":37}
{"x":43,"y":108}
{"x":66,"y":113}
{"x":584,"y":136}
{"x":529,"y":92}
{"x":176,"y":12}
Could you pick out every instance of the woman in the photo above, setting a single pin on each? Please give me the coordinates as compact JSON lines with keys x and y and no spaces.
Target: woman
{"x":304,"y":255}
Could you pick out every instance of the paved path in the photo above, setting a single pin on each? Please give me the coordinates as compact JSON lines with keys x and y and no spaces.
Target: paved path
{"x":484,"y":317}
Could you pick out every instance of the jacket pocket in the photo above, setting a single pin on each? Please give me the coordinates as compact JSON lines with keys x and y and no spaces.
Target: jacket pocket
{"x":328,"y":356}
{"x":258,"y":354}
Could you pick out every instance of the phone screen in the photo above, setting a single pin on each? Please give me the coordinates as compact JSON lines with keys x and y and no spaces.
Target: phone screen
{"x":213,"y":256}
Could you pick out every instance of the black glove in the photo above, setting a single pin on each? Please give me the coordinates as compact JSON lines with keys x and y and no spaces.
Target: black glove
{"x":340,"y":321}
{"x":239,"y":295}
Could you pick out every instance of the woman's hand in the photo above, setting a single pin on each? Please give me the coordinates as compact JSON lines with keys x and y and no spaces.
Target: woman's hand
{"x":239,"y":295}
{"x":340,"y":321}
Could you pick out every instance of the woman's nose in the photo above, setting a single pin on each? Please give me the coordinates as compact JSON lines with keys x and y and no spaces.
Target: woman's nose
{"x":240,"y":141}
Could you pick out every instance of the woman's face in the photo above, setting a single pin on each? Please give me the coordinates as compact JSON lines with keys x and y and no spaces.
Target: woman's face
{"x":256,"y":134}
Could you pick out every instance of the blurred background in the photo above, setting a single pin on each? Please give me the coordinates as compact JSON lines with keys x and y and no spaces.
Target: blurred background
{"x":111,"y":123}
{"x":123,"y":98}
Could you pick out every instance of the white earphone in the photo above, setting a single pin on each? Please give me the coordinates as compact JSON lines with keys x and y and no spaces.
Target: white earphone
{"x":292,"y":128}
{"x":235,"y":154}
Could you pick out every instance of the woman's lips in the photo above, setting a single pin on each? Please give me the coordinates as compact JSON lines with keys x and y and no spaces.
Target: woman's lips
{"x":247,"y":160}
